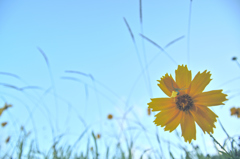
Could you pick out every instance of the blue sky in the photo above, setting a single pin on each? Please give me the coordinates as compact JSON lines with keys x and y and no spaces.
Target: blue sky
{"x":91,"y":37}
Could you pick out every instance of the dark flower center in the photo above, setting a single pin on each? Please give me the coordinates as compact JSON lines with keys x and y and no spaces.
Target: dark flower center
{"x":184,"y":102}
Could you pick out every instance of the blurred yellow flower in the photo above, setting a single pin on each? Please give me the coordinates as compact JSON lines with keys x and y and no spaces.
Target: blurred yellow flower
{"x":187,"y":103}
{"x":110,"y":116}
{"x":4,"y":124}
{"x":235,"y":111}
{"x":98,"y":136}
{"x":7,"y":140}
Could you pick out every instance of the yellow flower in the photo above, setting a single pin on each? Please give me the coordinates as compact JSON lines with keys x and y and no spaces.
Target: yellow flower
{"x":98,"y":136}
{"x":4,"y":124}
{"x":7,"y":140}
{"x":235,"y":111}
{"x":187,"y":103}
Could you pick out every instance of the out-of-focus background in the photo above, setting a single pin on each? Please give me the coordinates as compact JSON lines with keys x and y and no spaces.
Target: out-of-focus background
{"x":66,"y":65}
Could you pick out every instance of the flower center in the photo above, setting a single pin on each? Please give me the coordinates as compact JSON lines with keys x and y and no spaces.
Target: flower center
{"x":184,"y":102}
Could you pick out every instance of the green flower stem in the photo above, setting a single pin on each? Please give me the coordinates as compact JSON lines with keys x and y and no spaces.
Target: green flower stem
{"x":220,"y":145}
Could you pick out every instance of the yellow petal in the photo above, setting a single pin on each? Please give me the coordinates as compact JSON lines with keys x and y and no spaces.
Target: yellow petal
{"x":210,"y":98}
{"x":167,"y":84}
{"x":233,"y":110}
{"x":188,"y":127}
{"x":198,"y":84}
{"x":173,"y":124}
{"x":183,"y":77}
{"x":163,"y":117}
{"x":205,"y":118}
{"x":159,"y":104}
